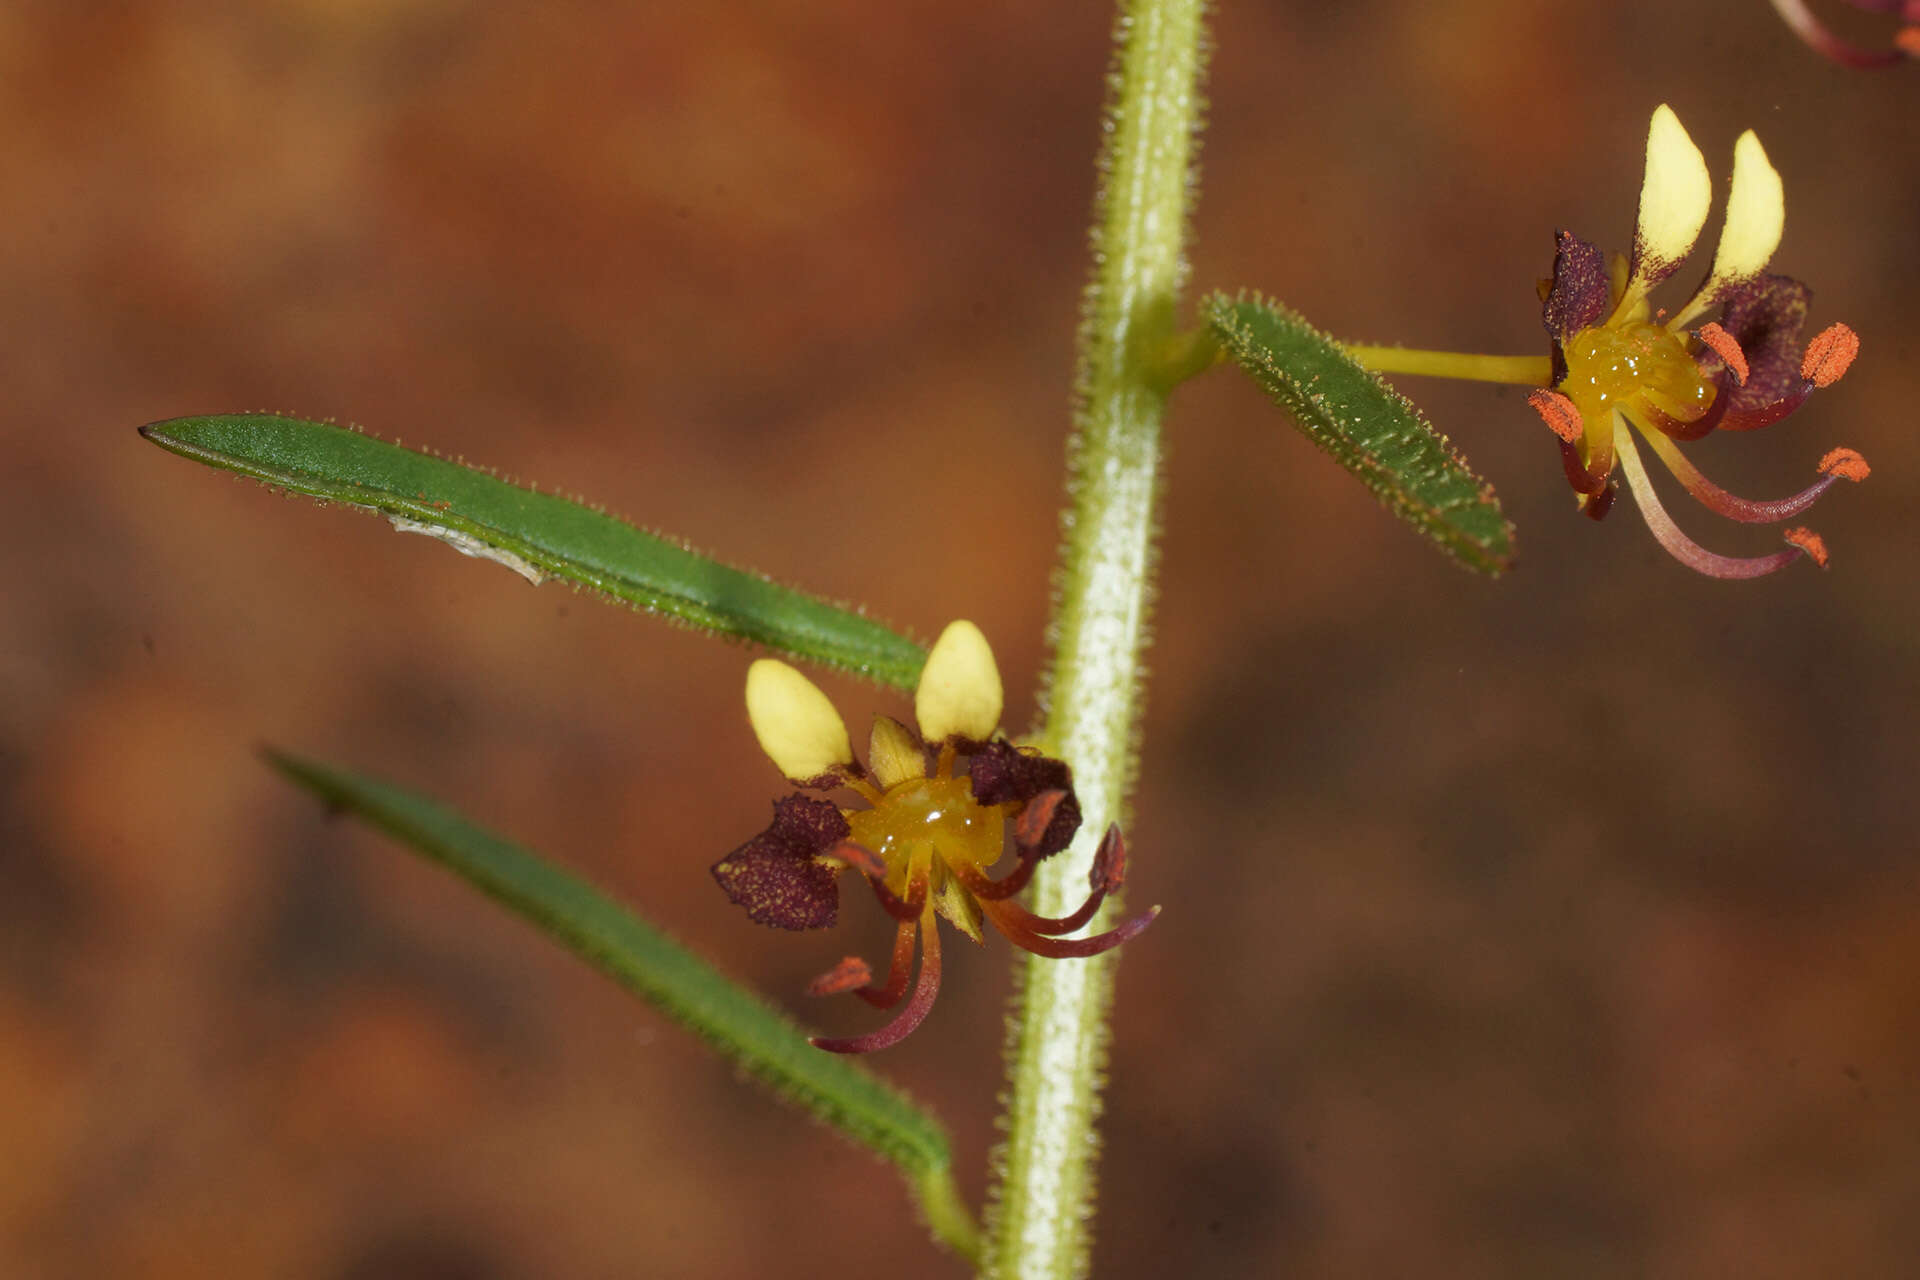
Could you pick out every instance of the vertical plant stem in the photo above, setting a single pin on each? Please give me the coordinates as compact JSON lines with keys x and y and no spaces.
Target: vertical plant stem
{"x":1042,"y":1200}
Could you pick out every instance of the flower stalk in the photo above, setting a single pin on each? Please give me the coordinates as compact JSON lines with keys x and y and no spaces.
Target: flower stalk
{"x":1041,"y":1202}
{"x":1524,"y":371}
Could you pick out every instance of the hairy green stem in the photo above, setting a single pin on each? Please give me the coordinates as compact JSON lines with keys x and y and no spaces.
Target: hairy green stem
{"x":1042,"y":1200}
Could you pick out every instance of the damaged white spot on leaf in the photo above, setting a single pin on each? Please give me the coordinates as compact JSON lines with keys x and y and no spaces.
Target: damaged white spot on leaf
{"x":468,"y":545}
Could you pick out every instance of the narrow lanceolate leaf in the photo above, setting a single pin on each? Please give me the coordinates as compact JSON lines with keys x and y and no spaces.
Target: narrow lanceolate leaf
{"x":541,"y":535}
{"x":1369,"y":428}
{"x":641,"y":958}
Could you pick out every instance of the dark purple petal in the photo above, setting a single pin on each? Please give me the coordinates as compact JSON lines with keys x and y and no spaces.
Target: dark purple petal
{"x":1764,"y":315}
{"x":1004,"y":774}
{"x":1581,"y":292}
{"x":774,"y":875}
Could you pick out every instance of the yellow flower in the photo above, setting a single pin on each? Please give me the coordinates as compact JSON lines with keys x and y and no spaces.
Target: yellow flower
{"x":1619,"y":367}
{"x":928,"y":835}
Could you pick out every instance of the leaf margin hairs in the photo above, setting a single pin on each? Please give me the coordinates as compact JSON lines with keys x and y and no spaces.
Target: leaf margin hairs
{"x":1339,"y":404}
{"x":644,"y":959}
{"x":480,"y":513}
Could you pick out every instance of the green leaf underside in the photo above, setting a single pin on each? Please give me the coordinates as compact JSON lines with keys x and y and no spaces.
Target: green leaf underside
{"x":1369,"y":428}
{"x":641,"y":958}
{"x":545,"y":533}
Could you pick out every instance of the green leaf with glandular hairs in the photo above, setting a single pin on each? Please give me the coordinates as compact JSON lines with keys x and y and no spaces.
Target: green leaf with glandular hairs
{"x":644,"y":960}
{"x":1369,"y":428}
{"x":541,"y":535}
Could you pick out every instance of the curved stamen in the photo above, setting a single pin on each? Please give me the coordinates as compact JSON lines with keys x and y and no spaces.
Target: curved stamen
{"x":1011,"y":914}
{"x":1767,"y":414}
{"x":1823,"y":41}
{"x":1694,"y":428}
{"x":1679,"y":545}
{"x":885,"y":997}
{"x":909,"y":1017}
{"x":1067,"y":948}
{"x":1006,"y":886}
{"x":1109,"y":871}
{"x":1582,"y":480}
{"x":1734,"y":507}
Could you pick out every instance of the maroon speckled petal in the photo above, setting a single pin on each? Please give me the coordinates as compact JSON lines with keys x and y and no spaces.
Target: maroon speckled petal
{"x":1764,"y":315}
{"x":774,"y":875}
{"x":1581,"y":292}
{"x":1004,"y":774}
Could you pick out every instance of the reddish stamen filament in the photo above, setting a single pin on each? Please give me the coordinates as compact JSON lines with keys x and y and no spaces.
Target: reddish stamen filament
{"x":1747,"y":510}
{"x":916,"y":1009}
{"x":902,"y":964}
{"x":1679,"y":545}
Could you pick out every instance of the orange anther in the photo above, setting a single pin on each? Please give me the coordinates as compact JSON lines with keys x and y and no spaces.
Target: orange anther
{"x":1907,"y":40}
{"x":1727,"y":347}
{"x":1558,"y":412}
{"x":1845,"y":463}
{"x":850,"y":973}
{"x":1829,"y":354}
{"x":1809,"y":541}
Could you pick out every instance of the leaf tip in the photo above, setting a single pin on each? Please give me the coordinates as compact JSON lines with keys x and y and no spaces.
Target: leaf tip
{"x":302,"y":773}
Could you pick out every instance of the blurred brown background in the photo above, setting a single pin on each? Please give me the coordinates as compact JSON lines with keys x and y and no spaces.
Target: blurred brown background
{"x":1564,"y":925}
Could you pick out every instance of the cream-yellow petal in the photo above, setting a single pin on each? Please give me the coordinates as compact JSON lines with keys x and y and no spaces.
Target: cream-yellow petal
{"x":1756,"y":217}
{"x":1674,"y":198}
{"x":797,"y":726}
{"x":959,"y":693}
{"x":894,"y":754}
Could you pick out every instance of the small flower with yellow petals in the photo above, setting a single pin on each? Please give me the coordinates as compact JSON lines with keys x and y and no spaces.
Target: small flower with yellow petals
{"x":1906,"y":40}
{"x":927,"y":837}
{"x":1619,"y":367}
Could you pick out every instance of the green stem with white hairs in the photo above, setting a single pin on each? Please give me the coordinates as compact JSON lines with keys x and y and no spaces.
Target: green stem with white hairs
{"x":1042,"y":1200}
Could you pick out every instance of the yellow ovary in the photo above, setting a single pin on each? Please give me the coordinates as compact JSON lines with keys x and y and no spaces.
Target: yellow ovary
{"x":939,"y":814}
{"x":1613,"y":366}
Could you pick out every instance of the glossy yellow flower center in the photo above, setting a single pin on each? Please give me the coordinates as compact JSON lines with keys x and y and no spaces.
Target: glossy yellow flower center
{"x":937,"y":815}
{"x":1610,"y":366}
